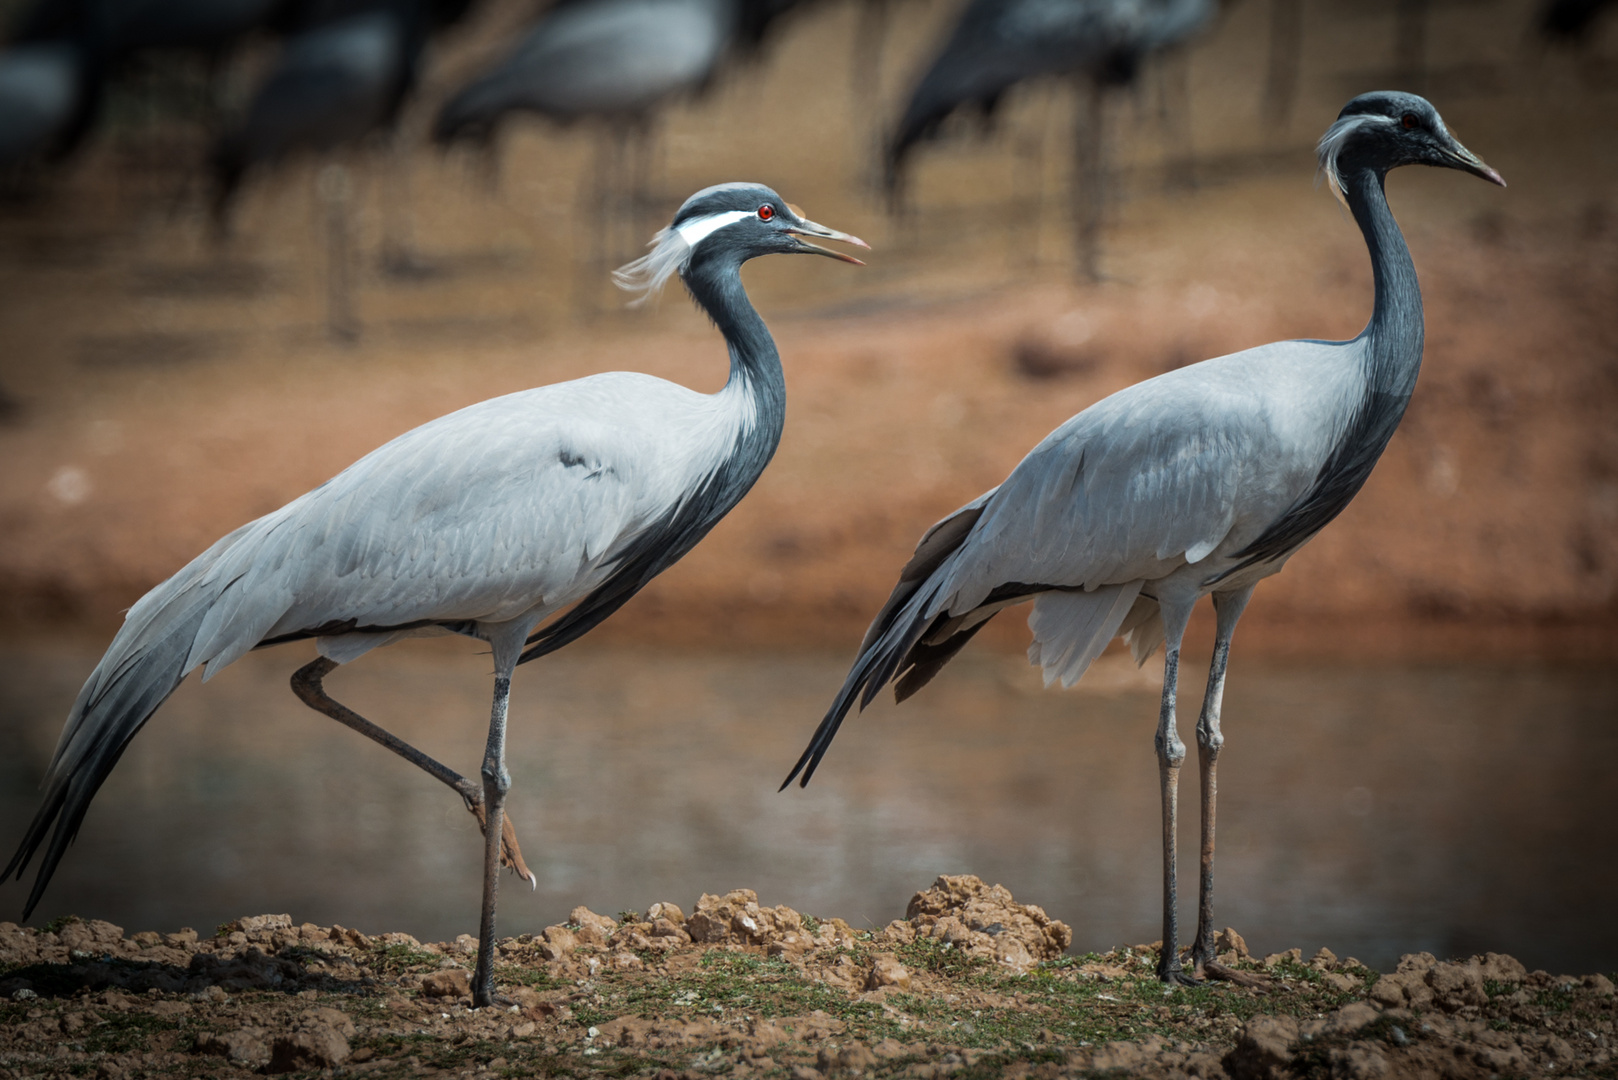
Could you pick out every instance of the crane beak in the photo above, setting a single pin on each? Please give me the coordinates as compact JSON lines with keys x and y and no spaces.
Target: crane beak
{"x":1462,"y":158}
{"x":805,"y":227}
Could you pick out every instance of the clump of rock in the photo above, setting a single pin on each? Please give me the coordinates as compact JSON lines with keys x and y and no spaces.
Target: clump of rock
{"x":984,"y":921}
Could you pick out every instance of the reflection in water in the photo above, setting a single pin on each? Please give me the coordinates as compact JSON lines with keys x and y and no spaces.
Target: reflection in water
{"x":1375,"y":810}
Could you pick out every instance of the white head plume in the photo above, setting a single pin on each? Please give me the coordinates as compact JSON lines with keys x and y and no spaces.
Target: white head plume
{"x":670,"y":251}
{"x":1331,"y":145}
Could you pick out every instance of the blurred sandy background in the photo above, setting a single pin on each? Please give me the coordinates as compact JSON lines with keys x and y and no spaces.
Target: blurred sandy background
{"x":162,"y":389}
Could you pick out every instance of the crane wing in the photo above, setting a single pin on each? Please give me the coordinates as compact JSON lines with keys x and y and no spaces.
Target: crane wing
{"x":482,"y":515}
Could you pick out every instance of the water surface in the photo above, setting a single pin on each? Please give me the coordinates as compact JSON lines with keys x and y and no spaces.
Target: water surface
{"x":1374,"y":810}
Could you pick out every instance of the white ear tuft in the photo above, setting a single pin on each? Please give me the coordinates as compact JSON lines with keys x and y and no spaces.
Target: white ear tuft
{"x":671,"y":251}
{"x":1331,"y":145}
{"x":646,"y":275}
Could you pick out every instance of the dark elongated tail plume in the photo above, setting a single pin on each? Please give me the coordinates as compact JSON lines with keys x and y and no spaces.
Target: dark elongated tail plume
{"x":893,"y":641}
{"x":889,"y":642}
{"x":144,"y":664}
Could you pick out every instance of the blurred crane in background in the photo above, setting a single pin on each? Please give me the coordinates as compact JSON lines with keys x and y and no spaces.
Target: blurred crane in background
{"x":344,"y":76}
{"x":49,"y":94}
{"x":997,"y":44}
{"x":562,"y":501}
{"x":614,"y":62}
{"x":1200,"y":482}
{"x":50,"y":85}
{"x":66,"y":51}
{"x":1570,"y":22}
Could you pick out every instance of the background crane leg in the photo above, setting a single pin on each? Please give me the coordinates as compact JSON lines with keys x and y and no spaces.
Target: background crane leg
{"x":1170,"y":755}
{"x":1089,"y":177}
{"x":307,"y":683}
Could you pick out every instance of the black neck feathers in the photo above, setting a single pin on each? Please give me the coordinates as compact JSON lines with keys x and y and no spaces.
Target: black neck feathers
{"x":1389,"y":350}
{"x":758,"y":388}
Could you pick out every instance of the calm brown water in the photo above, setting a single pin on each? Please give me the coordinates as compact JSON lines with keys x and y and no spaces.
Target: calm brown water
{"x":1375,"y":810}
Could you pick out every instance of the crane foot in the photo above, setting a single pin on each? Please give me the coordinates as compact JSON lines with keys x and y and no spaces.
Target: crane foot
{"x":510,"y":850}
{"x":1215,"y":970}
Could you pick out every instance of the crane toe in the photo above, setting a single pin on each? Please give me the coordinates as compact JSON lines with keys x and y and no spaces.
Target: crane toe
{"x":510,"y":850}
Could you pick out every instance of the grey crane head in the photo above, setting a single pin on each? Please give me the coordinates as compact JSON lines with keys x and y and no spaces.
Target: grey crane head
{"x":1387,"y":128}
{"x":730,"y":222}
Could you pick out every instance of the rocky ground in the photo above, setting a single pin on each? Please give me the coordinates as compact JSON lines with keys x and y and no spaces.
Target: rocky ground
{"x":972,"y":983}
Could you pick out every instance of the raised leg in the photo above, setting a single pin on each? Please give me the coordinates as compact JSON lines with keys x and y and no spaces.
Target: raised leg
{"x":496,"y":782}
{"x":308,"y":684}
{"x":1170,"y":755}
{"x":1228,"y":607}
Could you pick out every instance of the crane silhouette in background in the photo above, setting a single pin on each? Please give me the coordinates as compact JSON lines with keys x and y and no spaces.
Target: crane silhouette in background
{"x":558,"y":503}
{"x":613,"y":62}
{"x":1571,"y":22}
{"x":1200,"y":482}
{"x":997,"y":44}
{"x":342,"y":77}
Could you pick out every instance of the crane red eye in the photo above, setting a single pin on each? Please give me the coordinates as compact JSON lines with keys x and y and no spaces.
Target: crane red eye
{"x":766,"y":212}
{"x":1409,"y":121}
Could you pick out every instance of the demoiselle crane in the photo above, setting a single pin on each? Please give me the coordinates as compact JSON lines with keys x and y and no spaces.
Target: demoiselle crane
{"x":1570,"y":22}
{"x":51,"y":79}
{"x":49,"y":93}
{"x":549,"y":506}
{"x":337,"y":81}
{"x":997,"y":44}
{"x":611,"y":62}
{"x":1199,"y":482}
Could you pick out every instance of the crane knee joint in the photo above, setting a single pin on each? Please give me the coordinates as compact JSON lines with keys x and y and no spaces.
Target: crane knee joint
{"x":496,"y":778}
{"x":1171,"y":752}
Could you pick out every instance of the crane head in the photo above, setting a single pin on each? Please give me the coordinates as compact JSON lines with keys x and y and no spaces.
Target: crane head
{"x":729,"y":224}
{"x":1388,"y":128}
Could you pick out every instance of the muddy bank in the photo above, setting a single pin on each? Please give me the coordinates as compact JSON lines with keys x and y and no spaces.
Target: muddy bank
{"x":971,"y":983}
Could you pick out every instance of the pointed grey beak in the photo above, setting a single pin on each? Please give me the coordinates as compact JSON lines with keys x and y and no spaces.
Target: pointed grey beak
{"x":1467,"y":161}
{"x":805,"y":227}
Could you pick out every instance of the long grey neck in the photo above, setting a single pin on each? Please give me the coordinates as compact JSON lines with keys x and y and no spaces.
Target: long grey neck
{"x":759,"y":392}
{"x":1394,"y":336}
{"x":755,"y":366}
{"x":1389,"y":349}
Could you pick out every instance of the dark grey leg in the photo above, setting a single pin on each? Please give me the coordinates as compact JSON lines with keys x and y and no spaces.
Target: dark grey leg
{"x":1281,"y":74}
{"x":1170,"y":756}
{"x":307,"y":683}
{"x":1210,"y":739}
{"x":336,"y":189}
{"x":496,"y":782}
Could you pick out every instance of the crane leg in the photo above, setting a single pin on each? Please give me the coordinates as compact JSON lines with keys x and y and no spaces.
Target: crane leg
{"x":1170,"y":756}
{"x":308,"y":684}
{"x":1089,"y":177}
{"x":1228,"y":607}
{"x":496,"y":782}
{"x":1281,"y":71}
{"x":335,"y":189}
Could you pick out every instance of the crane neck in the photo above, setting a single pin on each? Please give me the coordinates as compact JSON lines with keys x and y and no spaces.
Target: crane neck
{"x":755,"y":365}
{"x":1394,"y":336}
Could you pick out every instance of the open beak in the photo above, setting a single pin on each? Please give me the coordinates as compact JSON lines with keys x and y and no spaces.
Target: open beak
{"x":1467,"y":161}
{"x":805,"y":227}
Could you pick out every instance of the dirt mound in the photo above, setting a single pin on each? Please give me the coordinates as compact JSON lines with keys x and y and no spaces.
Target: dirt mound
{"x":984,"y":920}
{"x":741,"y":988}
